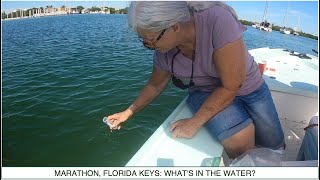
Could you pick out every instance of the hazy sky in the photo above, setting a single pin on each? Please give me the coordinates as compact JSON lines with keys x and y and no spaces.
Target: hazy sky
{"x":300,"y":14}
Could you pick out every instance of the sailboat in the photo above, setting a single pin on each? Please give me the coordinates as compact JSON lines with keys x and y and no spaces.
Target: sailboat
{"x":265,"y":25}
{"x":295,"y":32}
{"x":256,"y":24}
{"x":284,"y":30}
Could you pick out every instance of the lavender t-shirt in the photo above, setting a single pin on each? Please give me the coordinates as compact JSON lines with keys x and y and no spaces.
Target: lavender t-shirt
{"x":215,"y":27}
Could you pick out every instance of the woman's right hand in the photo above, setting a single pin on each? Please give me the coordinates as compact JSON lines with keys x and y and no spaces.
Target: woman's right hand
{"x":118,"y":118}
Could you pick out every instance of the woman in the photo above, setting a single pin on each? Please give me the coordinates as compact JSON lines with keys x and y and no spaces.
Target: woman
{"x":201,"y":43}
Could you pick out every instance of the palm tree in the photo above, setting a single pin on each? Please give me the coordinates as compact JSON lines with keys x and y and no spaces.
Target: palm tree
{"x":3,"y":15}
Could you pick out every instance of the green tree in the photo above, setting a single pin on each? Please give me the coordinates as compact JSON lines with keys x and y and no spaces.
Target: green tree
{"x":94,"y":8}
{"x":33,"y":11}
{"x":245,"y":22}
{"x":14,"y":14}
{"x":28,"y":11}
{"x":80,"y":8}
{"x":18,"y":13}
{"x":124,"y":11}
{"x":112,"y":10}
{"x":276,"y":28}
{"x":3,"y":15}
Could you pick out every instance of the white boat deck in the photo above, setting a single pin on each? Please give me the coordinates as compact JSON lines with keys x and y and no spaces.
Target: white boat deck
{"x":163,"y":150}
{"x":292,"y":75}
{"x":295,"y":93}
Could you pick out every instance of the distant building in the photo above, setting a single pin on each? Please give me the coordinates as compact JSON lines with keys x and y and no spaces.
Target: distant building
{"x":105,"y":10}
{"x":84,"y":11}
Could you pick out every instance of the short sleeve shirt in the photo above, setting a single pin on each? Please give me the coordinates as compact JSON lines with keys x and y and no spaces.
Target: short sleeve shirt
{"x":215,"y":27}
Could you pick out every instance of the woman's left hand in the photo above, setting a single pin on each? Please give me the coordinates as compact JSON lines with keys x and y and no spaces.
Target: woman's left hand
{"x":185,"y":128}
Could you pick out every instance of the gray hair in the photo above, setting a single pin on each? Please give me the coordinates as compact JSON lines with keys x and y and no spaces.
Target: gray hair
{"x":159,"y":15}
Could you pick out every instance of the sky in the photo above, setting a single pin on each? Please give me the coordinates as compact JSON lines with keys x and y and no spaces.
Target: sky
{"x":302,"y":15}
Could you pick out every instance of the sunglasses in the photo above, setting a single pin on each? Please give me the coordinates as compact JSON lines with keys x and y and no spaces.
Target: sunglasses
{"x":152,"y":46}
{"x":176,"y":81}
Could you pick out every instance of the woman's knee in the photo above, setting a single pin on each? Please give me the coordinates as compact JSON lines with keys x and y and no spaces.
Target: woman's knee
{"x":240,"y":142}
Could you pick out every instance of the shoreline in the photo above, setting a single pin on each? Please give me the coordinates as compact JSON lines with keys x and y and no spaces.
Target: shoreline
{"x":277,"y":28}
{"x":62,"y":14}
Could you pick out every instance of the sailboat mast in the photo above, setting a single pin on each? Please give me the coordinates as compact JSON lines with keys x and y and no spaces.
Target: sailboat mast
{"x":298,"y":24}
{"x":255,"y":17}
{"x":265,"y":12}
{"x":285,"y":15}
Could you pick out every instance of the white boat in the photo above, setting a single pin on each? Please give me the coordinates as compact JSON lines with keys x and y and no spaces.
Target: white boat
{"x":294,"y":88}
{"x":267,"y":28}
{"x":296,"y":29}
{"x":285,"y":31}
{"x":265,"y":25}
{"x":256,"y":25}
